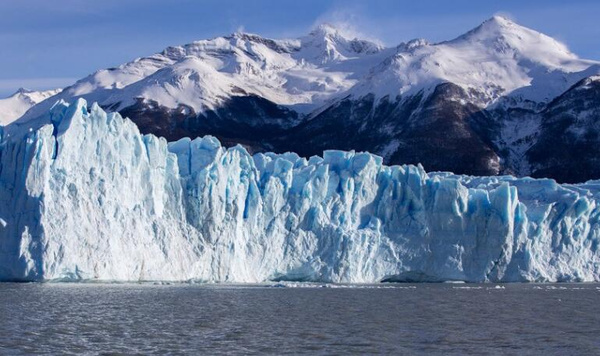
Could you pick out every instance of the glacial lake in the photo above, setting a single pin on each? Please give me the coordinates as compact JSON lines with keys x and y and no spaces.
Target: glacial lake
{"x":288,"y":318}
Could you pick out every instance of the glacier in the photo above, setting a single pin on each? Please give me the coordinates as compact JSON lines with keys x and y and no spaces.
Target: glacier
{"x":85,"y":196}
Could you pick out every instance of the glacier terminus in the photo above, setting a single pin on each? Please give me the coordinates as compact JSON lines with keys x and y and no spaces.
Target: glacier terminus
{"x":85,"y":196}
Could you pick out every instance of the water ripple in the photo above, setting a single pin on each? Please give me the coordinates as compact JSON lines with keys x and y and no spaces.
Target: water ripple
{"x":299,"y":319}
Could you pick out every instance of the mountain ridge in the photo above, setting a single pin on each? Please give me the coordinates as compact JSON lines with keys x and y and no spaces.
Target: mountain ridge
{"x":481,"y":96}
{"x":15,"y":105}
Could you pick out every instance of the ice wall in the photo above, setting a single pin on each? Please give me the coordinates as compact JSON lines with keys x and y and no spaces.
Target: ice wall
{"x":86,"y":196}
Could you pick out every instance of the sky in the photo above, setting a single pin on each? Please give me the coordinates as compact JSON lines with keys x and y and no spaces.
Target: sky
{"x":47,"y":44}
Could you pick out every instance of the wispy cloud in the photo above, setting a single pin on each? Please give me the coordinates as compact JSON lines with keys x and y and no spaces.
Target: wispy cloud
{"x":240,"y":29}
{"x":349,"y":21}
{"x":506,"y":14}
{"x":356,"y":19}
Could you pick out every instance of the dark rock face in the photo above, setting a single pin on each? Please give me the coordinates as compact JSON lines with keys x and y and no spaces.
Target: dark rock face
{"x":441,"y":130}
{"x":438,"y":132}
{"x":248,"y":120}
{"x":568,"y":147}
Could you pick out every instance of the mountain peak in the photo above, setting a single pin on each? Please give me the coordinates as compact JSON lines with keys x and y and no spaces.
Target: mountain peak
{"x":328,"y":42}
{"x":496,"y":27}
{"x":327,"y":30}
{"x":502,"y":35}
{"x":499,"y":20}
{"x":244,"y":35}
{"x":22,"y":91}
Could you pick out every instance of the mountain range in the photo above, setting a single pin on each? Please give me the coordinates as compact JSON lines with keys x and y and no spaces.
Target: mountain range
{"x":500,"y":99}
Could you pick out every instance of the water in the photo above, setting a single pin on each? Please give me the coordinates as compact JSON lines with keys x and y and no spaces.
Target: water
{"x":517,"y":319}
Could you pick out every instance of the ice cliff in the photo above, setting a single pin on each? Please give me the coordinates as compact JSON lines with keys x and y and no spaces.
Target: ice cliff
{"x":86,"y":196}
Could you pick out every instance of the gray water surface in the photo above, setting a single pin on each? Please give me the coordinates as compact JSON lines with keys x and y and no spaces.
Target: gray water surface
{"x":426,"y":319}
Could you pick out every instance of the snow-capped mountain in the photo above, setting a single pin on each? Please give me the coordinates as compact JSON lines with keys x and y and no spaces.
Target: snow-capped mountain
{"x":477,"y":104}
{"x":16,"y":105}
{"x":203,"y":75}
{"x":498,"y":58}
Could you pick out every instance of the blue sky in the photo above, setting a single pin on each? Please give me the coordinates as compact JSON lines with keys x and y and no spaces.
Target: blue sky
{"x":52,"y":43}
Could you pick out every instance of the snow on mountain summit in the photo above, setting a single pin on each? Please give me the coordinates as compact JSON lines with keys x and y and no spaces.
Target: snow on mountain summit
{"x":502,"y":35}
{"x":327,"y":43}
{"x":14,"y":106}
{"x":497,"y":58}
{"x":507,"y":39}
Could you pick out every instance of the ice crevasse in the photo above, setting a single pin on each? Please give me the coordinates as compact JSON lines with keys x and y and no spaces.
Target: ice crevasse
{"x":85,"y":196}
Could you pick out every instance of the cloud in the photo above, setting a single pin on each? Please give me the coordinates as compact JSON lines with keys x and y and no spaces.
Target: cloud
{"x":347,"y":20}
{"x":507,"y":15}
